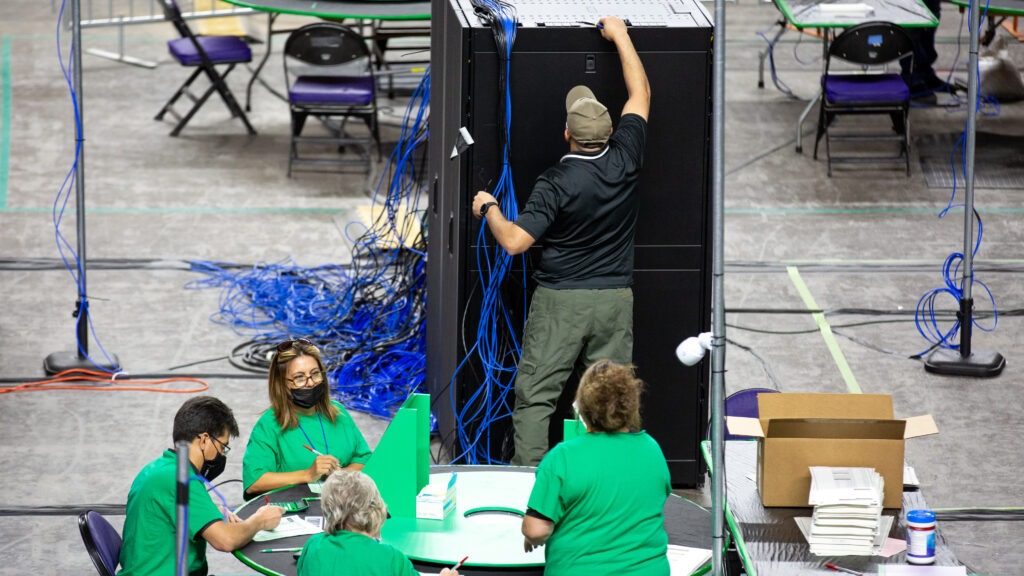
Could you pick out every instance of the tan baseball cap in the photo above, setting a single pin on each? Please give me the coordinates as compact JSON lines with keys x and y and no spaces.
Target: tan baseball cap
{"x":587,"y":119}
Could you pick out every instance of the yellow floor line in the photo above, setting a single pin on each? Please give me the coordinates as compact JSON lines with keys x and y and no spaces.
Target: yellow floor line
{"x":826,"y":330}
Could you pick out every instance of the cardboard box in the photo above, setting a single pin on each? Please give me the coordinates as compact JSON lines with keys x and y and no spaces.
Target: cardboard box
{"x":796,"y":431}
{"x":437,"y":499}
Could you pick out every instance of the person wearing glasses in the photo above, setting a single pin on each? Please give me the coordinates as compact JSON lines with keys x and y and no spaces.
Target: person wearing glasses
{"x":149,"y":545}
{"x":598,"y":499}
{"x":304,"y":435}
{"x":354,"y":513}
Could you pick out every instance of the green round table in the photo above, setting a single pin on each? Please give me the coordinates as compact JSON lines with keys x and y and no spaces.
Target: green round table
{"x":485,"y":525}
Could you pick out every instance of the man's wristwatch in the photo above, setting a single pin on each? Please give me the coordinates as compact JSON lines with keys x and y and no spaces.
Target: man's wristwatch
{"x":485,"y":207}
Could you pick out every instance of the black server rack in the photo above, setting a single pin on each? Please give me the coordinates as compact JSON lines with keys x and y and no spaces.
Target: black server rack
{"x":672,"y":279}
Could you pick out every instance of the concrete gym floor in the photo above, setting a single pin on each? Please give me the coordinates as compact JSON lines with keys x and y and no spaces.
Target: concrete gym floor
{"x":862,"y":246}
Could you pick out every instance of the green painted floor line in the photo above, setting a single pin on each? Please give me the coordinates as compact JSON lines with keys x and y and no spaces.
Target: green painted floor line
{"x":185,"y":210}
{"x":891,"y":262}
{"x":5,"y":117}
{"x":826,"y":331}
{"x":935,"y":211}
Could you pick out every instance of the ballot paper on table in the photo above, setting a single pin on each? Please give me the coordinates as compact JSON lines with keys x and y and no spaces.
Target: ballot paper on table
{"x":683,"y":560}
{"x":910,"y":477}
{"x":846,"y":9}
{"x":289,"y":526}
{"x":317,"y":521}
{"x":846,"y":546}
{"x":907,"y":570}
{"x":315,"y":487}
{"x":845,"y":485}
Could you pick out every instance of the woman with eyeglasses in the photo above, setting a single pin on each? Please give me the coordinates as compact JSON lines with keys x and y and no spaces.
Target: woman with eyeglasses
{"x":354,"y":514}
{"x":598,"y":500}
{"x":304,"y":435}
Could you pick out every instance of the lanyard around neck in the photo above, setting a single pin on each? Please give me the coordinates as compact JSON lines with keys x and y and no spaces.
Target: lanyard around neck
{"x":323,"y":433}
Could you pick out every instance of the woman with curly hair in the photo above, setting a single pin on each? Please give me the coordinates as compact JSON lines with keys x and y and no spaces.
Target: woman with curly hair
{"x":598,"y":499}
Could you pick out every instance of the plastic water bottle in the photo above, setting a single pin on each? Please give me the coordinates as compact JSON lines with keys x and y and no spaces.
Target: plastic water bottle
{"x":921,"y":537}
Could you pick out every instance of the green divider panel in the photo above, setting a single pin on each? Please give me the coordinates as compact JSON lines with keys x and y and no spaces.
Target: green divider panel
{"x":400,"y":464}
{"x":572,"y":429}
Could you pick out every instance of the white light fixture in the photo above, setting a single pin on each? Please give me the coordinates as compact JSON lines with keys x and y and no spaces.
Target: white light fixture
{"x":691,"y":350}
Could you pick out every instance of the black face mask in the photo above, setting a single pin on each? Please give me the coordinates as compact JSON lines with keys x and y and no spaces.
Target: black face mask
{"x":307,"y":397}
{"x":213,"y":468}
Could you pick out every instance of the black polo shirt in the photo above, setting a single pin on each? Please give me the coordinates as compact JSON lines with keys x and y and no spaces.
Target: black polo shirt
{"x":582,"y":211}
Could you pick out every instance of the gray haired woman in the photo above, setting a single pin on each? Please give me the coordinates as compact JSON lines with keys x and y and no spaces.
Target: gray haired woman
{"x":353,"y":516}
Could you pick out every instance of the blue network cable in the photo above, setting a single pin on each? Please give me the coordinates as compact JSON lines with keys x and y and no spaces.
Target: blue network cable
{"x":925,"y":316}
{"x":366,"y":317}
{"x":496,"y":349}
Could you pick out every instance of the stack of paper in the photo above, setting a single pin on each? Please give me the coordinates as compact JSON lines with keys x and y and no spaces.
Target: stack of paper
{"x":847,"y":519}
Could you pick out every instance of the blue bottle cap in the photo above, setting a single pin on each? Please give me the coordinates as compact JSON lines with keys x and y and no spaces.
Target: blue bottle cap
{"x":921,"y":516}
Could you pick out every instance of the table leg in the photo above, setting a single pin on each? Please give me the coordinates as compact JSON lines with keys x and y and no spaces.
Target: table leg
{"x":800,"y":122}
{"x":762,"y":55}
{"x":817,"y":96}
{"x":271,"y":16}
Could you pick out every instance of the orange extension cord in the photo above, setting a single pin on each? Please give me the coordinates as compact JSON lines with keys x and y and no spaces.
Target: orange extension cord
{"x":127,"y":384}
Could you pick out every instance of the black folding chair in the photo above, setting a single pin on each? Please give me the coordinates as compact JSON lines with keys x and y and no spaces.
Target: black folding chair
{"x":329,"y":72}
{"x":866,"y":45}
{"x":204,"y":53}
{"x":101,"y":541}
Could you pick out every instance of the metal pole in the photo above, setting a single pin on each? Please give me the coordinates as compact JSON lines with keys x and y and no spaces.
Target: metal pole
{"x":82,"y":303}
{"x":967,"y":275}
{"x":78,"y":358}
{"x":717,"y":295}
{"x":181,"y":521}
{"x":968,"y":361}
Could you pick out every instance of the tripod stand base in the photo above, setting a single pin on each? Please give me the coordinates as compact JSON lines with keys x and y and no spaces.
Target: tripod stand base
{"x":61,"y":361}
{"x":980,"y":364}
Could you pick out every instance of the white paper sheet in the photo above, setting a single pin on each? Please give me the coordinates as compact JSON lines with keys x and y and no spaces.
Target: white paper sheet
{"x":908,"y":570}
{"x":683,"y":560}
{"x":289,"y":526}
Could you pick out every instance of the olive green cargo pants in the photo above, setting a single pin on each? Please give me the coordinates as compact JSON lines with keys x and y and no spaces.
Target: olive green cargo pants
{"x":564,"y":328}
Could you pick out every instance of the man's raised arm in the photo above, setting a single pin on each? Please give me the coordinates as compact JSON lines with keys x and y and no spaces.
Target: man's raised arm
{"x":639,"y":90}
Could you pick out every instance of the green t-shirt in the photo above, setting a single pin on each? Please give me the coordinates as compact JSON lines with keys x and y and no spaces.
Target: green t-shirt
{"x":271,"y":450}
{"x":149,"y":527}
{"x":351,"y":553}
{"x":605,"y":493}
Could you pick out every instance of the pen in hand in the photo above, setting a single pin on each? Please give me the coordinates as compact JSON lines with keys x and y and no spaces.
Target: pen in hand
{"x":311,"y":449}
{"x":460,"y":562}
{"x":844,"y":570}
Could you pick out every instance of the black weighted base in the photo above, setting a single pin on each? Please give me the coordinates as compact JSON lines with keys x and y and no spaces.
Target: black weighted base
{"x":60,"y":361}
{"x":980,"y":363}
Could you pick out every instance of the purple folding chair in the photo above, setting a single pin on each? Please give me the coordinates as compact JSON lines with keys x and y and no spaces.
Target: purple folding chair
{"x":101,"y":540}
{"x":742,"y":403}
{"x":329,"y":73}
{"x":859,"y":92}
{"x":204,"y":53}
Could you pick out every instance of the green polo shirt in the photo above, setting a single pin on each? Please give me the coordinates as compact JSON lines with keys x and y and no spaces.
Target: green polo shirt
{"x":271,"y":450}
{"x":605,"y":493}
{"x":351,"y":553}
{"x":149,"y":526}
